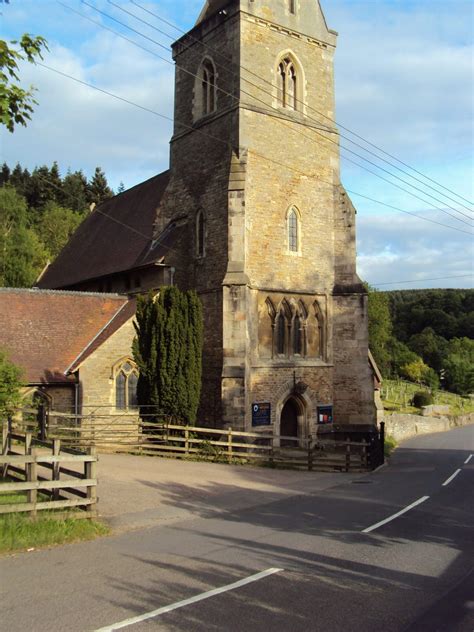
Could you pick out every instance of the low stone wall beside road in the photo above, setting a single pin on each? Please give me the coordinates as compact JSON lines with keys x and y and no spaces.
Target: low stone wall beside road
{"x":402,"y":427}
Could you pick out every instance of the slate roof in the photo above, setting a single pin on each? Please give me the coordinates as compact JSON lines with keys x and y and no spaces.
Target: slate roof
{"x":115,"y":237}
{"x":50,"y":333}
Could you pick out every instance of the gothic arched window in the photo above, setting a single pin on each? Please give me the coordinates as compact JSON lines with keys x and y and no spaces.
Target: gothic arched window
{"x":281,"y":333}
{"x":126,"y":381}
{"x":297,"y":336}
{"x":200,"y":233}
{"x":208,"y":87}
{"x":288,"y":84}
{"x":293,"y":227}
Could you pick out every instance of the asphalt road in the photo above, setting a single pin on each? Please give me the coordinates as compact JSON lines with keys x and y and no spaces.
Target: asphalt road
{"x":413,"y":573}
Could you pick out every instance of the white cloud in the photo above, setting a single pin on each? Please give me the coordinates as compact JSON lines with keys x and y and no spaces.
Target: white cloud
{"x":407,"y":249}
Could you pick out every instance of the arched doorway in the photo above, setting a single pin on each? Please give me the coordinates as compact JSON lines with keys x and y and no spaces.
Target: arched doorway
{"x":289,"y":423}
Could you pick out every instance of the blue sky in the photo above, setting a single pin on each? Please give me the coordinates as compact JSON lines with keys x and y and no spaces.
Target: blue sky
{"x":404,"y":80}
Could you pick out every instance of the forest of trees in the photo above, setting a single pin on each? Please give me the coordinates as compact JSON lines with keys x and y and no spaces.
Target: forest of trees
{"x":39,"y":211}
{"x":425,"y":336}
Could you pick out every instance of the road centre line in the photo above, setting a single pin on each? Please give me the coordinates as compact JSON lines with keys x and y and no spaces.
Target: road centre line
{"x":397,"y":515}
{"x":448,"y":480}
{"x":191,"y":600}
{"x":468,"y":459}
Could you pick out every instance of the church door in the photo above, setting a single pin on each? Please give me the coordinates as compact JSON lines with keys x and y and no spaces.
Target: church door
{"x":289,"y":423}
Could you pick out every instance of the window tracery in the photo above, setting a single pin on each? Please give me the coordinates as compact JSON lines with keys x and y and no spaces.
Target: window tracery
{"x":126,"y":382}
{"x":288,"y":84}
{"x":206,"y":89}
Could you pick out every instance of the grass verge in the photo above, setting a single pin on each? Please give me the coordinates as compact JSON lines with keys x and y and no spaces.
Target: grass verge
{"x":18,"y":532}
{"x":389,"y":446}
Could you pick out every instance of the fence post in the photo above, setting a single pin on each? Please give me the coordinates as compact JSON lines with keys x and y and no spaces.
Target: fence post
{"x":32,"y":477}
{"x":382,"y":442}
{"x":5,"y":445}
{"x":229,"y":445}
{"x":310,"y":453}
{"x":28,"y":439}
{"x":56,"y":473}
{"x":348,"y":457}
{"x":364,"y":458}
{"x":90,"y":471}
{"x":186,"y":441}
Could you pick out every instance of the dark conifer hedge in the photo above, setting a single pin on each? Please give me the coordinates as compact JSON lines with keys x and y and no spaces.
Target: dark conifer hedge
{"x":168,"y":352}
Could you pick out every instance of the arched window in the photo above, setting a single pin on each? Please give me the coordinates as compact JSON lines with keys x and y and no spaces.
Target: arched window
{"x":288,"y":84}
{"x":200,"y":233}
{"x":281,"y":333}
{"x":208,"y":87}
{"x":126,"y":381}
{"x":293,"y":230}
{"x":297,"y":336}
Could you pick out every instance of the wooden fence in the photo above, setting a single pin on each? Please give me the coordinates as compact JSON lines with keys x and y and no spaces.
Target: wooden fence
{"x":38,"y":469}
{"x":126,"y":432}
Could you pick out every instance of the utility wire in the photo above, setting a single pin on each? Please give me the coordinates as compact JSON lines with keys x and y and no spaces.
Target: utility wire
{"x":306,"y":105}
{"x":206,"y":134}
{"x":462,"y":276}
{"x":289,"y":126}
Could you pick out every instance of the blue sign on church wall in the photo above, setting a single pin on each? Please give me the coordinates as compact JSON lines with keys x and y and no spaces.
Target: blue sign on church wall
{"x":261,"y":414}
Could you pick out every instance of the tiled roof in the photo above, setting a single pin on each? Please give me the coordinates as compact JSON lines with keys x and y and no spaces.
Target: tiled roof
{"x":47,"y":332}
{"x":115,"y":237}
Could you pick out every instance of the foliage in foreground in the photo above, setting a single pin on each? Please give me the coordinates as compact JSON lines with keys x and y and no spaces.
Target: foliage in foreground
{"x":16,"y":103}
{"x":18,"y":532}
{"x":10,"y":385}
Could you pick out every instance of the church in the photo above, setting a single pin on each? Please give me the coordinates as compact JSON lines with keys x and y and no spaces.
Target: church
{"x":253,"y":216}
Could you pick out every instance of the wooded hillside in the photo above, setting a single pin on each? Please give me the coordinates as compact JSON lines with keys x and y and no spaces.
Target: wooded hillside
{"x":426,"y":336}
{"x":39,"y":211}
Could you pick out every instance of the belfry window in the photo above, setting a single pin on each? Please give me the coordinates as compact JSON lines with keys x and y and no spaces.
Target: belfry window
{"x":200,"y":234}
{"x":126,"y":381}
{"x":293,"y":230}
{"x":208,"y":88}
{"x":288,"y":84}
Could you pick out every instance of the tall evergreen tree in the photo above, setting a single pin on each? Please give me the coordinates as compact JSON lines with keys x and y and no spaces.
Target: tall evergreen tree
{"x":5,"y":174}
{"x":168,"y":350}
{"x":98,"y":188}
{"x":75,"y":192}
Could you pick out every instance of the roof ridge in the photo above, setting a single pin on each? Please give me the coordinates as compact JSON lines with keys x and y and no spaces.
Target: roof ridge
{"x":26,"y":290}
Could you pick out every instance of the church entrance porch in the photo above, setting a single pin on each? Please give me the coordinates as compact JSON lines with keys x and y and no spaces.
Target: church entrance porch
{"x":292,"y":423}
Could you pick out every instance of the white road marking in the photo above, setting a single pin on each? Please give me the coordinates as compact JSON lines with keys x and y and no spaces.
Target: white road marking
{"x":468,"y":459}
{"x":187,"y":602}
{"x":400,"y":513}
{"x":448,"y":480}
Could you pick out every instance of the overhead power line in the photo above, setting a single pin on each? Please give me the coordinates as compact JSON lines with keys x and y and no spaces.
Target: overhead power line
{"x":443,"y":210}
{"x":220,"y":140}
{"x":306,"y":105}
{"x":462,"y":276}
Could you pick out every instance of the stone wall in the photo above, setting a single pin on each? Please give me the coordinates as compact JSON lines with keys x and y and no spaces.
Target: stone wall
{"x":97,"y":386}
{"x":402,"y":427}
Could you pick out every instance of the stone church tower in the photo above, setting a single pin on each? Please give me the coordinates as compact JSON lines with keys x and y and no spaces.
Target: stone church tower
{"x":266,"y":232}
{"x":253,"y":216}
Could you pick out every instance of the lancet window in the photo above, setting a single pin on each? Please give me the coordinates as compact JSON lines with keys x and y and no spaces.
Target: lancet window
{"x":126,"y":381}
{"x":200,"y":233}
{"x":208,"y":87}
{"x":288,"y":84}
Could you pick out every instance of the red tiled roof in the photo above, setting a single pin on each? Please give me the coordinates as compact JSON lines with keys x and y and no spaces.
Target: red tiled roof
{"x":115,"y":237}
{"x":47,"y":332}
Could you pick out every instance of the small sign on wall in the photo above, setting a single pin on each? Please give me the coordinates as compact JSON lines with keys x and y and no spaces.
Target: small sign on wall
{"x":261,"y":414}
{"x":325,"y":415}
